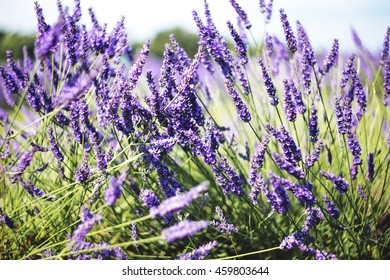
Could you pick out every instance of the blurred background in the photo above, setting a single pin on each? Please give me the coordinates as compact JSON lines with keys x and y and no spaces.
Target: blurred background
{"x":156,"y":19}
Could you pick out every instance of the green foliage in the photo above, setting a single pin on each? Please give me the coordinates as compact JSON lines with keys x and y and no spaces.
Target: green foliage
{"x":15,"y":42}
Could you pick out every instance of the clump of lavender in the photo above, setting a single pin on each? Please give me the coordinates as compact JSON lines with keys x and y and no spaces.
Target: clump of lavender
{"x":385,"y":49}
{"x":183,"y":229}
{"x":222,"y":225}
{"x":339,"y":183}
{"x":149,"y":199}
{"x":4,"y":218}
{"x":200,"y":253}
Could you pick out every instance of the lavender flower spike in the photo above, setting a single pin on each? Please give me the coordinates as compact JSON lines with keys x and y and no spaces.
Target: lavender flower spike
{"x":114,"y":191}
{"x":199,"y":253}
{"x":241,"y":14}
{"x":183,"y":229}
{"x":331,"y":59}
{"x":269,"y":85}
{"x":222,"y":224}
{"x":240,"y":46}
{"x":340,"y":183}
{"x":178,"y":202}
{"x":288,"y":33}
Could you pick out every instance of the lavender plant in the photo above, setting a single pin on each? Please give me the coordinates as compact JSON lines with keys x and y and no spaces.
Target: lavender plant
{"x":101,"y":157}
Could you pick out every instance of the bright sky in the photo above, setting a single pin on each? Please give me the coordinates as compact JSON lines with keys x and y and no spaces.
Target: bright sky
{"x":323,"y":20}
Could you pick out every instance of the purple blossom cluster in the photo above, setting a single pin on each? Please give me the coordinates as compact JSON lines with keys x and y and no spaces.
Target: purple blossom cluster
{"x":199,"y":253}
{"x":222,"y":225}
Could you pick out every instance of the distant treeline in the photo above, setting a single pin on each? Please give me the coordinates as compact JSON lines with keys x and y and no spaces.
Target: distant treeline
{"x":15,"y":42}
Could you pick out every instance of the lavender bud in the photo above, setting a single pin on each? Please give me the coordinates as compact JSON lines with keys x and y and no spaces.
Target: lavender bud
{"x":385,"y":50}
{"x":183,"y":229}
{"x":314,"y":156}
{"x":314,"y":216}
{"x":240,"y":46}
{"x":149,"y":199}
{"x":54,"y":146}
{"x":370,"y":168}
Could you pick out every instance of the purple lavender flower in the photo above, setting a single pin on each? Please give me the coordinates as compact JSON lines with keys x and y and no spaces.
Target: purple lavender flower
{"x":306,"y":73}
{"x":149,"y":199}
{"x":222,"y":225}
{"x":289,"y":105}
{"x":307,"y":51}
{"x":331,"y":58}
{"x":314,"y":216}
{"x":227,"y":178}
{"x":32,"y":189}
{"x":258,"y":184}
{"x":291,"y":241}
{"x":297,"y":172}
{"x":240,"y":46}
{"x":386,"y":83}
{"x":347,"y":71}
{"x":114,"y":191}
{"x":356,"y":150}
{"x":342,"y":129}
{"x":178,"y":202}
{"x":72,"y":37}
{"x":47,"y":43}
{"x":313,"y":124}
{"x":243,"y":79}
{"x":266,"y":10}
{"x":241,"y":14}
{"x":24,"y":162}
{"x":85,"y":227}
{"x":385,"y":49}
{"x":314,"y":156}
{"x":54,"y":146}
{"x":183,"y":229}
{"x":134,"y":234}
{"x":288,"y":33}
{"x":269,"y":85}
{"x":331,"y":208}
{"x":136,"y":70}
{"x":291,"y":151}
{"x":258,"y":158}
{"x":6,"y":220}
{"x":339,"y":183}
{"x":277,"y":197}
{"x":200,"y":253}
{"x":301,"y":108}
{"x":241,"y":108}
{"x":320,"y":255}
{"x":268,"y":44}
{"x":43,"y":27}
{"x":8,"y":81}
{"x":361,"y":192}
{"x":370,"y":167}
{"x":83,"y":172}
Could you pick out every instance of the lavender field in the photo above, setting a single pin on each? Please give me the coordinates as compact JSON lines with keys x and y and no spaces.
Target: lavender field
{"x":255,"y":148}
